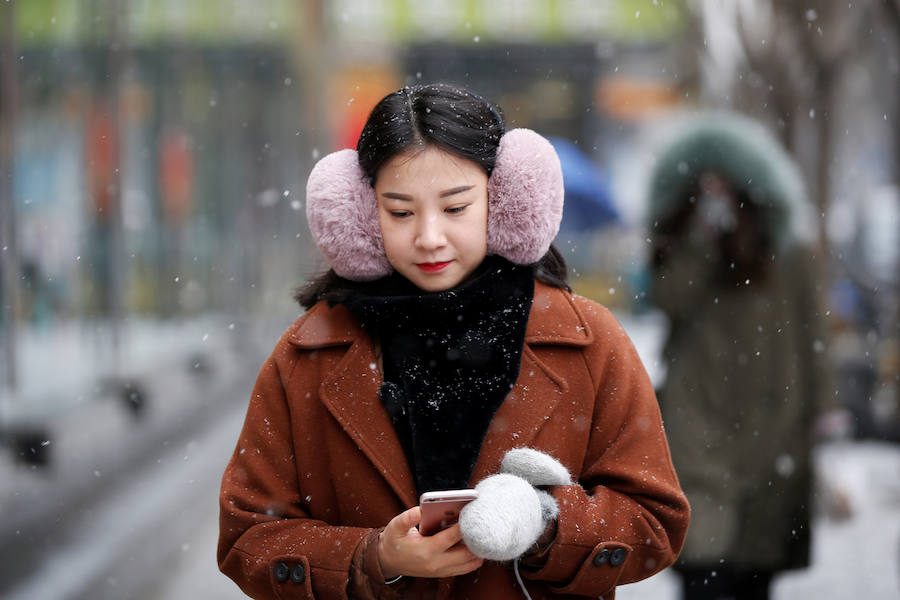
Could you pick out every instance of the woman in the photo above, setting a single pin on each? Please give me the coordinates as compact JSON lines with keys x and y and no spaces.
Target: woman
{"x":745,"y":375}
{"x":443,"y":351}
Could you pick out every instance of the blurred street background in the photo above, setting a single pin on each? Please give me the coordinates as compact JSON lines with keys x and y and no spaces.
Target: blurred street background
{"x":153,"y":160}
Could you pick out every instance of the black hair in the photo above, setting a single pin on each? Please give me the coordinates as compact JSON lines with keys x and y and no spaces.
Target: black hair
{"x":451,"y":118}
{"x":448,"y":117}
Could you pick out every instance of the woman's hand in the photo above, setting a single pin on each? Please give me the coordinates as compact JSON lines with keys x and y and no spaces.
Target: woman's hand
{"x":402,"y":550}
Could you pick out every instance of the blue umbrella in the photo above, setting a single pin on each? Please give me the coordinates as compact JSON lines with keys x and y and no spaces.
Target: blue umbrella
{"x":588,"y":200}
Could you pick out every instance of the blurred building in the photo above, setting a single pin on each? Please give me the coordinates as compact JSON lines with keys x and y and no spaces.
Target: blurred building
{"x":160,"y":152}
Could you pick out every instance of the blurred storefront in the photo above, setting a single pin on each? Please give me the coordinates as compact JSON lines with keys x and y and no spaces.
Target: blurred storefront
{"x":159,"y":163}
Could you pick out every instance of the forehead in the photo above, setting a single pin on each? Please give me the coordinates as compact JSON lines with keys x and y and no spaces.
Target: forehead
{"x":430,"y":164}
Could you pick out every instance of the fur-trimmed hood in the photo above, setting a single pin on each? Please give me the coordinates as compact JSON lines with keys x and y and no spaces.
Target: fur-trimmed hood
{"x":744,"y":151}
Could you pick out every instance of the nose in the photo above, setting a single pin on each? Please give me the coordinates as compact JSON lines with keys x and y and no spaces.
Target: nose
{"x":430,"y":234}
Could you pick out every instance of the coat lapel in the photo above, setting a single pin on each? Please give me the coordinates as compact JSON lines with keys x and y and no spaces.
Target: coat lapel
{"x":521,"y":416}
{"x":555,"y":320}
{"x":350,"y":392}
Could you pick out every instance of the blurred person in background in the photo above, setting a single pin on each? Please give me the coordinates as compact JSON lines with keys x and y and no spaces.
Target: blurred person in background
{"x":746,"y":376}
{"x":442,"y":350}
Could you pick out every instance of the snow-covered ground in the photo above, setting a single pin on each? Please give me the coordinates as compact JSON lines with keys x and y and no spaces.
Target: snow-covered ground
{"x":853,"y":559}
{"x":119,"y":483}
{"x":59,"y":367}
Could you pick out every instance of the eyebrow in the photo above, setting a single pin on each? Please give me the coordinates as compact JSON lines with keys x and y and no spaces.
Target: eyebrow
{"x":457,"y":190}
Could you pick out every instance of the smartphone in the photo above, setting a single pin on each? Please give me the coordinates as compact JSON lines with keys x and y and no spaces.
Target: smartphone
{"x":441,"y":509}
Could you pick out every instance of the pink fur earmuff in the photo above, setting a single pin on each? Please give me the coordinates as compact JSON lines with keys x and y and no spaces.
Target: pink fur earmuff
{"x":525,"y":203}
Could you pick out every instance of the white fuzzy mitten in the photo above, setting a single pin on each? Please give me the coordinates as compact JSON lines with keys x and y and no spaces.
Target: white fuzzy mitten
{"x":510,"y":514}
{"x":535,"y":467}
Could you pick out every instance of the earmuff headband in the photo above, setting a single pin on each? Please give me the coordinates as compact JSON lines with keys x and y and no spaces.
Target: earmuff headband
{"x":525,"y":203}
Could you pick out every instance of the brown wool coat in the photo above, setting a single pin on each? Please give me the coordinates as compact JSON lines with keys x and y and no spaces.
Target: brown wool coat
{"x":318,"y":469}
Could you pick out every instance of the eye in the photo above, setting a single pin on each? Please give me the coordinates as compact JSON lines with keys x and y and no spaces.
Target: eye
{"x":455,"y":210}
{"x":400,"y":214}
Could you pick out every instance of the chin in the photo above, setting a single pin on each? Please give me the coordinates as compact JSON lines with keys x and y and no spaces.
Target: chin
{"x":435,"y":284}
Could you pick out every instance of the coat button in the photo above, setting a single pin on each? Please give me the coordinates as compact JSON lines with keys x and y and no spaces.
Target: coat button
{"x":601,"y":558}
{"x":281,"y":572}
{"x":298,"y":575}
{"x":617,"y":557}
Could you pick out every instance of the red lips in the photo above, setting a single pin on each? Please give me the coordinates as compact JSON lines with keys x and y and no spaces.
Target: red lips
{"x":433,"y":267}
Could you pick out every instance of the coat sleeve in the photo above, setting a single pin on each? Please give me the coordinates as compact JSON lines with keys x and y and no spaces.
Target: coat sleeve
{"x":627,"y":517}
{"x":267,"y":543}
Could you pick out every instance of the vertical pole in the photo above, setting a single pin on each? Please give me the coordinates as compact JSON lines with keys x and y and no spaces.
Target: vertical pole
{"x":9,"y":258}
{"x":312,"y":59}
{"x":825,"y":107}
{"x":893,"y":12}
{"x":115,"y":262}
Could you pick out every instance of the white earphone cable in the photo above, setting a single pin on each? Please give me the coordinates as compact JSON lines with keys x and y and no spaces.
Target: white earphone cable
{"x":519,"y":579}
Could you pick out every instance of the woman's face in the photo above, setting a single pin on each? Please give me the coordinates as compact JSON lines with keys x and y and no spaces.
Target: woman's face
{"x":433,"y":208}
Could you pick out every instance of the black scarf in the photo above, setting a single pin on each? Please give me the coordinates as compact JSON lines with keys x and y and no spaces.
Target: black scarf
{"x":450,"y":358}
